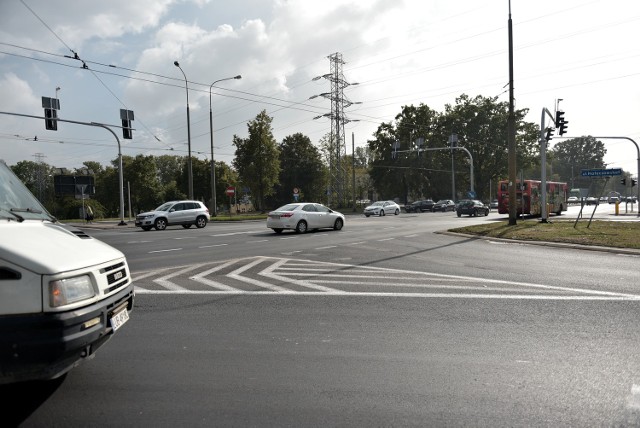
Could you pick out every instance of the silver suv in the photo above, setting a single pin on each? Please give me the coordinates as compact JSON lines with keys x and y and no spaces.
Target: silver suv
{"x":185,"y":213}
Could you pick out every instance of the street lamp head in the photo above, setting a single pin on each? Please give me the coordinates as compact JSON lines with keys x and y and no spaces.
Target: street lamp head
{"x":238,"y":77}
{"x":176,"y":63}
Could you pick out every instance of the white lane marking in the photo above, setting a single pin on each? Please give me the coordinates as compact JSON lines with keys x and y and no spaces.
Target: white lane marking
{"x":289,"y":237}
{"x":164,"y":281}
{"x":327,"y":247}
{"x":383,"y":294}
{"x":236,"y":274}
{"x":358,"y":243}
{"x":214,"y":284}
{"x":255,"y":242}
{"x":411,"y":236}
{"x":633,"y":401}
{"x":269,"y":272}
{"x":385,"y":239}
{"x":214,"y":245}
{"x":164,"y":251}
{"x":231,"y":234}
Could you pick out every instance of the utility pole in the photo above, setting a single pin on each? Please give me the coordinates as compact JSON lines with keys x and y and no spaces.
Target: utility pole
{"x":511,"y":133}
{"x":338,"y":174}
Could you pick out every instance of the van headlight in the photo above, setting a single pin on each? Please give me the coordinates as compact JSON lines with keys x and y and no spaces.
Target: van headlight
{"x":65,"y":291}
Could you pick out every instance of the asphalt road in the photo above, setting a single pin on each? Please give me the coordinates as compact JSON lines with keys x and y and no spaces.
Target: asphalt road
{"x":382,"y":324}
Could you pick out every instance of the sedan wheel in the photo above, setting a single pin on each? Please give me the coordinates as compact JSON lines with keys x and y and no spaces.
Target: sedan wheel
{"x":397,"y":211}
{"x":301,"y":227}
{"x":160,"y":224}
{"x":338,"y":224}
{"x":382,"y":213}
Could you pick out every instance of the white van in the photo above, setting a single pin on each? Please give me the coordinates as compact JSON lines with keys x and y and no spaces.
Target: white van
{"x":63,"y":294}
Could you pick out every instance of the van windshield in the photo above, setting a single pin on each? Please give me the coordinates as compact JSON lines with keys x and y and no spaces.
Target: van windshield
{"x":16,"y":201}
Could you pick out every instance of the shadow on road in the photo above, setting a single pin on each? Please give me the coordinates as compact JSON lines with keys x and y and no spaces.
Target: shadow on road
{"x":20,"y":400}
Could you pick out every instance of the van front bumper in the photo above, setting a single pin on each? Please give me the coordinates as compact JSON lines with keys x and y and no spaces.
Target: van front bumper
{"x":45,"y":346}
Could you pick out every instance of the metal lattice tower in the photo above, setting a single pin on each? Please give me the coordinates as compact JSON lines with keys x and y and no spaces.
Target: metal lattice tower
{"x":339,"y":102}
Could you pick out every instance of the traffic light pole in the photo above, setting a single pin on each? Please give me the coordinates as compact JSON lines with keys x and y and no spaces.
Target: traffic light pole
{"x":638,"y":160}
{"x":107,"y":127}
{"x":543,"y":163}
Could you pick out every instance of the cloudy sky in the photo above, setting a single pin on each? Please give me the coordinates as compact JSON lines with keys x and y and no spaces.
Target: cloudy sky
{"x":400,"y":52}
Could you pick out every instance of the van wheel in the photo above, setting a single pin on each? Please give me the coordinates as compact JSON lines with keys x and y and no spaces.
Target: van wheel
{"x":201,"y":222}
{"x":160,"y":224}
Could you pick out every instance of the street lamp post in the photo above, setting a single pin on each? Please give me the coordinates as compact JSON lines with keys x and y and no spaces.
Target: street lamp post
{"x":189,"y":165}
{"x":214,"y":208}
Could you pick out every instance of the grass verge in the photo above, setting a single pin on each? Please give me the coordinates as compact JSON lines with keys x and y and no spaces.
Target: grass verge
{"x":619,"y":234}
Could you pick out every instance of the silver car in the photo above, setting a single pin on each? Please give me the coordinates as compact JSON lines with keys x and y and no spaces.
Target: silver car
{"x":382,"y":208}
{"x":185,"y":213}
{"x":304,"y":216}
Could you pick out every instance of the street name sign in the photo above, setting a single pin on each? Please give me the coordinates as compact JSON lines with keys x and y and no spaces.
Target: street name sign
{"x":601,"y":172}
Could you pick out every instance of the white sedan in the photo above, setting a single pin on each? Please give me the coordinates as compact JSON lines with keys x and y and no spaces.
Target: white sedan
{"x":304,"y":216}
{"x":382,"y":208}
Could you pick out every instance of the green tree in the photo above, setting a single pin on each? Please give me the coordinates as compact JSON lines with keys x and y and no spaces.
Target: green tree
{"x":142,"y":176}
{"x":480,"y":124}
{"x":257,"y":159}
{"x":305,"y":170}
{"x":169,"y":168}
{"x":571,"y":156}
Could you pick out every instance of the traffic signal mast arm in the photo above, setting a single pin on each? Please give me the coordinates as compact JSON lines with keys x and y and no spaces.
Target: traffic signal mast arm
{"x":448,"y":148}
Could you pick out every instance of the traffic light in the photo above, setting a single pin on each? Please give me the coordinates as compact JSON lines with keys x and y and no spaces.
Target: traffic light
{"x":550,"y":132}
{"x":623,"y":181}
{"x":633,"y":182}
{"x":126,"y":129}
{"x":51,"y":107}
{"x":563,"y":127}
{"x":126,"y":116}
{"x":561,"y":123}
{"x":51,"y":119}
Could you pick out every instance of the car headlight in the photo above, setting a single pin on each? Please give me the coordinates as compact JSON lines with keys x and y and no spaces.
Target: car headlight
{"x":70,"y":290}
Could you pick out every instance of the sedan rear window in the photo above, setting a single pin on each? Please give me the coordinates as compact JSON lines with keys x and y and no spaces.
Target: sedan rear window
{"x":290,"y":207}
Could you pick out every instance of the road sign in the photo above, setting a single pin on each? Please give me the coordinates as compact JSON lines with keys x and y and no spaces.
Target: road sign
{"x":230,"y":191}
{"x":601,"y":172}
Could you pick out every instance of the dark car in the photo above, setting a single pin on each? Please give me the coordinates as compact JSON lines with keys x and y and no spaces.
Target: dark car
{"x":419,"y":206}
{"x":444,"y":205}
{"x":472,"y":207}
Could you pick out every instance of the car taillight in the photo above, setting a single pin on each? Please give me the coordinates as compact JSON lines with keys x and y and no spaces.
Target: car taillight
{"x":286,"y":215}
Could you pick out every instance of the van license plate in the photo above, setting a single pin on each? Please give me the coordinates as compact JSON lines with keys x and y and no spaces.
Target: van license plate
{"x":118,"y":319}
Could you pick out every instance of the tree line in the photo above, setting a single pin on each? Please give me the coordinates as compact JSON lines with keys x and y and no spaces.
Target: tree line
{"x":394,"y":164}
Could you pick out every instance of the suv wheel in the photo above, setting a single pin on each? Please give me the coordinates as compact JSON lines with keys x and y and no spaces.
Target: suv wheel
{"x":201,"y":222}
{"x":160,"y":224}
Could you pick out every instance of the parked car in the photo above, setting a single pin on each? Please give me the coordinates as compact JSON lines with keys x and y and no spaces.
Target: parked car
{"x":419,"y":206}
{"x":591,"y":201}
{"x":444,"y":205}
{"x":573,"y":200}
{"x":185,"y":213}
{"x":494,"y":204}
{"x":304,"y":216}
{"x":382,"y":208}
{"x":472,"y":207}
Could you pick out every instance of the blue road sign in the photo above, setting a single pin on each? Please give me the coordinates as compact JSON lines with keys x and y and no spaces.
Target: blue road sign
{"x":601,"y":172}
